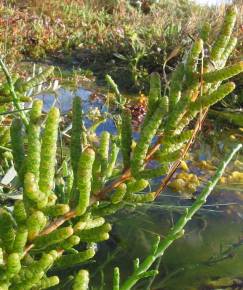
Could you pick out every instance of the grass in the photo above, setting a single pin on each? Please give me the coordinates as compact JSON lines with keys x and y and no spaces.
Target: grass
{"x":93,"y":31}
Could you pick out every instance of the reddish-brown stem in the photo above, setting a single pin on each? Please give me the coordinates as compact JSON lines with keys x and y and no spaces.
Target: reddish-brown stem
{"x":154,"y":148}
{"x":58,"y":222}
{"x":102,"y":193}
{"x":177,"y":163}
{"x":51,"y":227}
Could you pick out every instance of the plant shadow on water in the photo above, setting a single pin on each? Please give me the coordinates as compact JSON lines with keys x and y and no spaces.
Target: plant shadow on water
{"x":209,"y":256}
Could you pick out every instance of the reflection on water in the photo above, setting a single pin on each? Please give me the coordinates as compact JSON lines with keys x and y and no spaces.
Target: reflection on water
{"x":63,"y":99}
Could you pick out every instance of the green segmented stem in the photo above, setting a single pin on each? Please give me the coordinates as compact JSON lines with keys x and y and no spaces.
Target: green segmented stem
{"x":85,"y":224}
{"x":167,"y":157}
{"x":224,"y":36}
{"x":80,"y":225}
{"x":66,"y":261}
{"x":48,"y":282}
{"x":32,"y":192}
{"x":116,"y":279}
{"x":137,"y":185}
{"x":107,"y":210}
{"x":153,"y":97}
{"x":140,"y":198}
{"x":104,"y":152}
{"x":224,"y":73}
{"x":56,"y":210}
{"x":19,"y":212}
{"x":84,"y":137}
{"x":205,"y":31}
{"x":126,"y":137}
{"x":96,"y":182}
{"x":32,"y":274}
{"x":114,"y":86}
{"x":35,"y":223}
{"x":52,"y":198}
{"x":154,"y":172}
{"x":94,"y":223}
{"x":96,"y":234}
{"x":112,"y":160}
{"x":192,"y":59}
{"x":76,"y":134}
{"x":228,"y":50}
{"x":219,"y":94}
{"x":28,"y":283}
{"x":34,"y":145}
{"x":70,"y":242}
{"x":176,"y":86}
{"x":146,"y":136}
{"x":69,"y":185}
{"x":13,"y":93}
{"x":175,"y":139}
{"x":54,"y":237}
{"x":106,"y":227}
{"x":13,"y":264}
{"x":176,"y":114}
{"x":40,"y":78}
{"x":20,"y":240}
{"x":119,"y":193}
{"x":171,"y":148}
{"x":28,"y":260}
{"x":183,"y":123}
{"x":84,"y":177}
{"x":48,"y":152}
{"x":154,"y":92}
{"x":81,"y":281}
{"x":7,"y":232}
{"x":17,"y":144}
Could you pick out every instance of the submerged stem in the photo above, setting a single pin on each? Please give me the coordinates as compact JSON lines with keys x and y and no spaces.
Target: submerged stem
{"x":178,"y":230}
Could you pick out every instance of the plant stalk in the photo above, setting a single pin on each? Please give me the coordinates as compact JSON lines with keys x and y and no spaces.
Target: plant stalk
{"x":178,"y":230}
{"x":13,"y":93}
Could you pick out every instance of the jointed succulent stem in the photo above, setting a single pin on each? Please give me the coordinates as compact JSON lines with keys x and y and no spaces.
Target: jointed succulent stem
{"x":63,"y":210}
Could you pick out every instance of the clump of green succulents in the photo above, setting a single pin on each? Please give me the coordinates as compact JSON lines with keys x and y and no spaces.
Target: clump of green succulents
{"x":45,"y":229}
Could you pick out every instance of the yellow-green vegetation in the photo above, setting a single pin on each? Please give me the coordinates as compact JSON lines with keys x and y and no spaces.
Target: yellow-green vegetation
{"x":185,"y":183}
{"x":236,"y":177}
{"x":67,"y":195}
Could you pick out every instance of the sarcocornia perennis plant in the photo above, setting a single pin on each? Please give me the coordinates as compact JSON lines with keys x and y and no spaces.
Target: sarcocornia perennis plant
{"x":46,"y":231}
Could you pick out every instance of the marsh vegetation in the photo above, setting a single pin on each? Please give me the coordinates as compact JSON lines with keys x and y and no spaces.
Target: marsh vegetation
{"x":114,"y":172}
